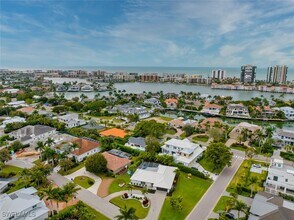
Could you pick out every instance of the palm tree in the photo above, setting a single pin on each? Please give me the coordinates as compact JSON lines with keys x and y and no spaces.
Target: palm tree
{"x":57,"y":195}
{"x":48,"y":193}
{"x":127,"y":214}
{"x":240,"y":206}
{"x":49,"y":142}
{"x":69,"y":191}
{"x":252,"y":180}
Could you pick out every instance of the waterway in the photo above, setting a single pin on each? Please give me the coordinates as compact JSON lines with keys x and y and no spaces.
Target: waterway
{"x":137,"y":87}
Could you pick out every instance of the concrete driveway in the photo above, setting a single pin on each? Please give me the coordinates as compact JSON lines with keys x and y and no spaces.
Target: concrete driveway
{"x":97,"y":203}
{"x":83,"y":172}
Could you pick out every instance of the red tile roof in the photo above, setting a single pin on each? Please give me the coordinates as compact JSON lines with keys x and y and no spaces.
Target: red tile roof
{"x":114,"y":162}
{"x":114,"y":132}
{"x":85,"y":146}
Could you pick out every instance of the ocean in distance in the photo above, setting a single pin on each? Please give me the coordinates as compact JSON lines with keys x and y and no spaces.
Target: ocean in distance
{"x":204,"y":71}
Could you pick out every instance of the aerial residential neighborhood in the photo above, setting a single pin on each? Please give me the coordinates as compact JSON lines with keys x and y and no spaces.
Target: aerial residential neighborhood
{"x":152,"y":110}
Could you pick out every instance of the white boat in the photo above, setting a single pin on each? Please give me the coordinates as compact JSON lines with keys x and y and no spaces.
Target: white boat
{"x":74,"y":88}
{"x":87,"y":88}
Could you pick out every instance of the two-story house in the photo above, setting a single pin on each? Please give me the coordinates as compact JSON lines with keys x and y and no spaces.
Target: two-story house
{"x":237,"y":110}
{"x":183,"y":151}
{"x":280,"y":177}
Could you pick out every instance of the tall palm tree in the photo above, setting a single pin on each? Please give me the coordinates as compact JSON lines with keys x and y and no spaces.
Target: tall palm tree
{"x":240,"y":206}
{"x":127,"y":214}
{"x":252,"y":180}
{"x":57,"y":195}
{"x":49,"y":142}
{"x":48,"y":193}
{"x":69,"y":191}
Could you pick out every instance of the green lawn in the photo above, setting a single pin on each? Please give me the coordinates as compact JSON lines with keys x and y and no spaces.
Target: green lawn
{"x":201,"y":138}
{"x":97,"y":215}
{"x":165,"y":118}
{"x":140,"y":211}
{"x":84,"y":181}
{"x":9,"y":169}
{"x":191,"y":190}
{"x":114,"y":187}
{"x":70,"y":171}
{"x":241,"y":178}
{"x":239,"y":148}
{"x":208,"y":165}
{"x":171,"y":131}
{"x":221,"y":205}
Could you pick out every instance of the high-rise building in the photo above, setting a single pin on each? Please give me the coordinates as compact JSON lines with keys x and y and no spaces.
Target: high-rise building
{"x":248,"y":74}
{"x":277,"y":74}
{"x":218,"y":74}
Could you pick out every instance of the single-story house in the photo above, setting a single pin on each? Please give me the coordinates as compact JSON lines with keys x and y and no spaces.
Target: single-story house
{"x":86,"y":148}
{"x":113,"y":132}
{"x":171,"y":103}
{"x":243,"y":125}
{"x":116,"y":164}
{"x":136,"y":143}
{"x":154,"y":176}
{"x":71,"y":120}
{"x":28,"y":110}
{"x":209,"y":122}
{"x":10,"y":120}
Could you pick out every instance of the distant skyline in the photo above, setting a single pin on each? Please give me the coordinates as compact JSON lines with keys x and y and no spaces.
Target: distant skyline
{"x":232,"y":33}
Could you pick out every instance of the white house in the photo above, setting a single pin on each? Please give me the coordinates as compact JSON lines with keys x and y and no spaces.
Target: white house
{"x":154,"y":176}
{"x":17,"y":104}
{"x":183,"y":151}
{"x":288,"y":111}
{"x":237,"y":110}
{"x":23,"y":204}
{"x":30,"y":133}
{"x":285,"y":137}
{"x":280,"y":177}
{"x":152,"y":101}
{"x":211,"y":109}
{"x":86,"y":148}
{"x":10,"y":120}
{"x":71,"y":120}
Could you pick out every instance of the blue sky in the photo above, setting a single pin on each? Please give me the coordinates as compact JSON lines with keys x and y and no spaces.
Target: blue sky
{"x":39,"y":33}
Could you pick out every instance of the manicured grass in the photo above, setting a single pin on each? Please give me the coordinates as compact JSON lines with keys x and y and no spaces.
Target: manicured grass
{"x":191,"y":190}
{"x":171,"y":131}
{"x":37,"y":161}
{"x":241,"y":178}
{"x":140,"y":211}
{"x":183,"y":135}
{"x":165,"y":118}
{"x":97,"y":215}
{"x":114,"y":187}
{"x":9,"y":169}
{"x":239,"y":148}
{"x":208,"y":165}
{"x":221,"y":204}
{"x":201,"y":138}
{"x":84,"y":181}
{"x":70,"y":171}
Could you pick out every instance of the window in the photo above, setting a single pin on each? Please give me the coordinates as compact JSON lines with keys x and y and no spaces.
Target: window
{"x":275,"y":178}
{"x":34,"y":206}
{"x":286,"y":180}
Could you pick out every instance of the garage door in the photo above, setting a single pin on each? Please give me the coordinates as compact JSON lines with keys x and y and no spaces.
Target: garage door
{"x":161,"y":189}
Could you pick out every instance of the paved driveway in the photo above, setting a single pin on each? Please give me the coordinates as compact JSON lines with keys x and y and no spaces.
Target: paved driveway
{"x":83,"y":172}
{"x":205,"y":206}
{"x":157,"y":201}
{"x":89,"y":198}
{"x":21,"y":162}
